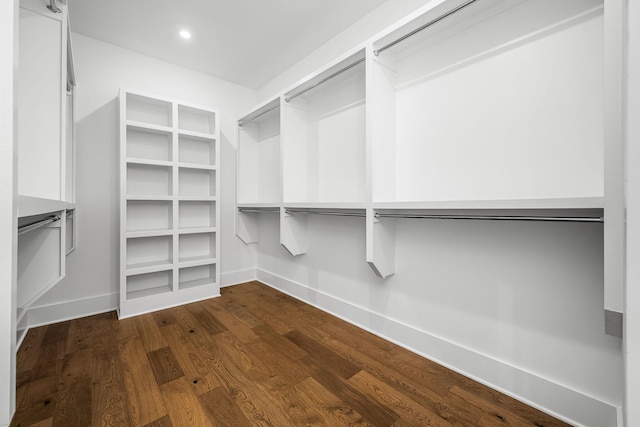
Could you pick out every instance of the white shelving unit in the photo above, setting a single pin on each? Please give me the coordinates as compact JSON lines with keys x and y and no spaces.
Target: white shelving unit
{"x":170,"y":245}
{"x":478,"y":109}
{"x":46,"y":154}
{"x":323,"y":136}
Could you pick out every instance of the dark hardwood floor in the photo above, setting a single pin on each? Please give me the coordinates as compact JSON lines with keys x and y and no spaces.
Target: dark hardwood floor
{"x":253,"y":357}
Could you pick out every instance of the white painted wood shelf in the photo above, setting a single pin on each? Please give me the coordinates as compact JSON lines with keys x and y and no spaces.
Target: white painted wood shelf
{"x":169,"y":237}
{"x":479,"y":109}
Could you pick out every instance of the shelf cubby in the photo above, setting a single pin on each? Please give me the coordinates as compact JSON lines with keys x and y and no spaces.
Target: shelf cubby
{"x":152,"y":180}
{"x":323,"y":136}
{"x":144,"y":143}
{"x":148,"y":284}
{"x":259,"y":155}
{"x":196,"y":150}
{"x":197,"y":214}
{"x":201,"y":275}
{"x":149,"y":215}
{"x":196,"y":120}
{"x":149,"y":252}
{"x":497,"y":101}
{"x":144,"y":109}
{"x":197,"y":247}
{"x":196,"y":182}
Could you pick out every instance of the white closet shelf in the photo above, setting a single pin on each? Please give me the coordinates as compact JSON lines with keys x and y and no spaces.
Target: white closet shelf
{"x":196,"y":261}
{"x":149,"y":233}
{"x":326,"y":205}
{"x":197,"y":135}
{"x":138,"y":161}
{"x":149,"y":127}
{"x":29,"y":206}
{"x":148,"y":292}
{"x":197,"y":166}
{"x":197,"y":198}
{"x":569,"y":203}
{"x":194,"y":230}
{"x":149,"y":197}
{"x":259,"y":205}
{"x":148,"y":267}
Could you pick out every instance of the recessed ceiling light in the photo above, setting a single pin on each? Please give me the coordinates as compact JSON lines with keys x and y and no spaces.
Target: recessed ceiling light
{"x":185,"y":34}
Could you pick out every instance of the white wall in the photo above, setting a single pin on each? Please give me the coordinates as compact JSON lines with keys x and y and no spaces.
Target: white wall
{"x":374,"y":22}
{"x":632,"y":294}
{"x":8,"y":212}
{"x":101,"y":69}
{"x":516,"y":305}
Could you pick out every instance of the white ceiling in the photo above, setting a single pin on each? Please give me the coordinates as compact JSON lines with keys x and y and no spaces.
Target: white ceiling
{"x":248,"y":42}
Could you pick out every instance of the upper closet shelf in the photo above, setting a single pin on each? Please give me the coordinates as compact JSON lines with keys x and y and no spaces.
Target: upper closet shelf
{"x":576,"y":203}
{"x":193,"y":134}
{"x":29,"y":206}
{"x":150,"y":127}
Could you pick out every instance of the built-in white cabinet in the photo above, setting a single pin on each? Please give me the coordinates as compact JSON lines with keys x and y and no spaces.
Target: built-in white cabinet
{"x":46,"y":152}
{"x":169,"y":210}
{"x":464,"y":110}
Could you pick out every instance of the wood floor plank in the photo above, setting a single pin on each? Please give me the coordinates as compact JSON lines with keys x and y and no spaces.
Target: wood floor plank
{"x":183,"y":406}
{"x":74,"y":404}
{"x":58,"y":332}
{"x":279,"y":342}
{"x":149,"y":333}
{"x":110,"y":399}
{"x":196,"y":370}
{"x":160,"y":422}
{"x":79,"y":335}
{"x":27,"y":358}
{"x":45,"y":423}
{"x":38,"y":402}
{"x":289,"y":372}
{"x":409,"y":411}
{"x":325,"y":357}
{"x":212,"y":325}
{"x":165,"y":366}
{"x":222,"y":409}
{"x":230,"y":322}
{"x":145,"y":400}
{"x":332,"y":410}
{"x":49,"y":363}
{"x":374,"y":412}
{"x":503,"y":414}
{"x":164,"y":318}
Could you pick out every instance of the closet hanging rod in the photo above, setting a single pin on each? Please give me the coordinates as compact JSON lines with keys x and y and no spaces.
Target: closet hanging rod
{"x":37,"y":224}
{"x":243,"y":122}
{"x":427,"y":25}
{"x":329,"y":77}
{"x":493,"y":218}
{"x":328,"y":213}
{"x":258,"y":210}
{"x":53,"y":7}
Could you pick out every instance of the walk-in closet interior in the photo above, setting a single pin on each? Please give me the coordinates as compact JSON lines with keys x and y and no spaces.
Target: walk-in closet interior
{"x":458,"y":178}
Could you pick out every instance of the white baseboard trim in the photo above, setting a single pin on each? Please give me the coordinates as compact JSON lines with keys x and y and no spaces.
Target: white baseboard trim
{"x":235,"y":277}
{"x":68,"y":310}
{"x":558,"y":400}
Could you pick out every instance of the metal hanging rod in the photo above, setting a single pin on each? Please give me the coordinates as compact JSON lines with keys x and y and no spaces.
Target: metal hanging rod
{"x":428,"y":24}
{"x":37,"y":224}
{"x":329,"y":77}
{"x":258,"y":210}
{"x":328,"y":213}
{"x":53,"y":7}
{"x":493,"y":218}
{"x":243,"y":122}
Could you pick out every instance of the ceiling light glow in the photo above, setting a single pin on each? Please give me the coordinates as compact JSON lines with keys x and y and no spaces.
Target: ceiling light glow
{"x":185,"y":34}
